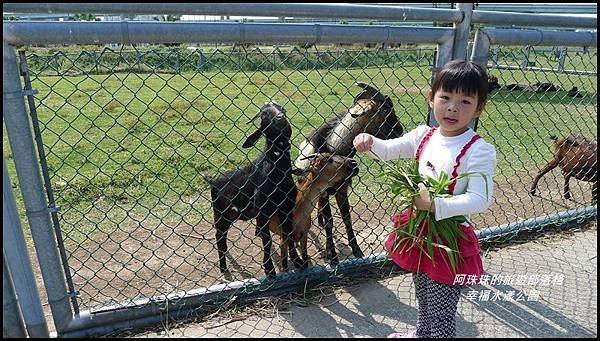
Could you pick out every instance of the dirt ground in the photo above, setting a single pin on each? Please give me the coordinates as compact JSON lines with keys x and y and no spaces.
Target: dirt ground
{"x":151,"y":259}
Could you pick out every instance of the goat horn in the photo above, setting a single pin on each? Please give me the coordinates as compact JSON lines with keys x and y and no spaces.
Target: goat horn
{"x":369,"y":92}
{"x":367,"y":86}
{"x":311,"y":156}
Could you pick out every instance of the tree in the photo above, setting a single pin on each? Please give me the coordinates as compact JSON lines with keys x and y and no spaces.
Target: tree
{"x":167,"y":17}
{"x":84,"y":17}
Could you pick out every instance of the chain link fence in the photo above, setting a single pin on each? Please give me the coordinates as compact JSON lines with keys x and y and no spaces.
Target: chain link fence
{"x":128,"y":133}
{"x":536,"y":100}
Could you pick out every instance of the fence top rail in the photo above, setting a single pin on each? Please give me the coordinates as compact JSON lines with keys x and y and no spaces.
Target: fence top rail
{"x":248,"y":9}
{"x":539,"y":37}
{"x":347,"y":11}
{"x":487,"y":37}
{"x":533,"y":19}
{"x":130,"y":32}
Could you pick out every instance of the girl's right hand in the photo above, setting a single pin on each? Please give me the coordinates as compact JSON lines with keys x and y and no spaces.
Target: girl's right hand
{"x":363,"y":142}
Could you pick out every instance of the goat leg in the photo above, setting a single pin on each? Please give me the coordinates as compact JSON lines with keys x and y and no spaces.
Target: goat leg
{"x":287,"y":227}
{"x":222,"y":226}
{"x":550,"y":166}
{"x":341,"y":196}
{"x":326,"y":221}
{"x":567,"y":190}
{"x":265,"y":235}
{"x":283,"y":248}
{"x":304,"y":249}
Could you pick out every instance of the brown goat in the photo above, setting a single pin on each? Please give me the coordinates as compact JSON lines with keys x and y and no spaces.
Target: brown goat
{"x":373,"y":113}
{"x":324,"y":168}
{"x":576,"y":156}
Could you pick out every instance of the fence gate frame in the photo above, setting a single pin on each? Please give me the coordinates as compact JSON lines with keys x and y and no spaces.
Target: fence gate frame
{"x":451,"y":43}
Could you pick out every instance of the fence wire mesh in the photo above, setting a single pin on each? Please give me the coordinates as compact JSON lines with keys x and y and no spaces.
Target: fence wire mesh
{"x":128,"y":134}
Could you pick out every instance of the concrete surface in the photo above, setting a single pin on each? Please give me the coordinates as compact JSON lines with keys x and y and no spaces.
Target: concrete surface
{"x":566,"y":305}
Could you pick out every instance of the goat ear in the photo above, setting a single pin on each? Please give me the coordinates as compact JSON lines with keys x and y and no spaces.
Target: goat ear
{"x":369,"y":92}
{"x":388,"y":101}
{"x":251,"y":140}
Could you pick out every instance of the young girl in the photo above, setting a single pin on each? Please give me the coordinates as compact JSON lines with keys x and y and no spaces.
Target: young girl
{"x":458,"y":95}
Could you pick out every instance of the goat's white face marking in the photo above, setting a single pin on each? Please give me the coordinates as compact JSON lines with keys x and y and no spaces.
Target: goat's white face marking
{"x":362,"y":107}
{"x":306,"y":149}
{"x":349,"y":127}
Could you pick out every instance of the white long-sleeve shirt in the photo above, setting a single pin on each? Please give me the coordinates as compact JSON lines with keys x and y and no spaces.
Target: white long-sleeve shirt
{"x":470,"y":194}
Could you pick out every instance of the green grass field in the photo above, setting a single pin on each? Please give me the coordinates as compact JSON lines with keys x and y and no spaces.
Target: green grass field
{"x":127,"y":144}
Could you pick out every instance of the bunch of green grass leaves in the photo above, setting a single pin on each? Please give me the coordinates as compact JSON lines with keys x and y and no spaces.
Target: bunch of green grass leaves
{"x":403,"y":178}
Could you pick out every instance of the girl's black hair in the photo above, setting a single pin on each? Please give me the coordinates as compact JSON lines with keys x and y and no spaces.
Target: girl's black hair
{"x":466,"y":77}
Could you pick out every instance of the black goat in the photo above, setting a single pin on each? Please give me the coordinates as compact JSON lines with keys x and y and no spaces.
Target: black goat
{"x":372,"y":113}
{"x":263,"y":190}
{"x":535,"y":87}
{"x":492,"y":83}
{"x":574,"y":93}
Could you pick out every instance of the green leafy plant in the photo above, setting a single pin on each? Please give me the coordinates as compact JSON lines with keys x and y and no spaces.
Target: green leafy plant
{"x":403,"y":179}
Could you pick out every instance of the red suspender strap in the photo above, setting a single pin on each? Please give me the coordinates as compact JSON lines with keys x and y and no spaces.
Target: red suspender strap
{"x":423,"y":141}
{"x":460,"y":155}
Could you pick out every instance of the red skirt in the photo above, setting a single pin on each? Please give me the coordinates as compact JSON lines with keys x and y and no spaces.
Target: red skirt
{"x":413,"y":259}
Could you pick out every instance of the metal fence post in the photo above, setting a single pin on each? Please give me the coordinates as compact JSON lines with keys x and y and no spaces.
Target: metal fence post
{"x":481,"y":47}
{"x":561,"y":59}
{"x":96,"y":61}
{"x":12,"y":321}
{"x":495,"y":56}
{"x":479,"y":55}
{"x":525,"y":64}
{"x":23,"y":150}
{"x":17,"y":260}
{"x":443,"y":55}
{"x":462,"y":31}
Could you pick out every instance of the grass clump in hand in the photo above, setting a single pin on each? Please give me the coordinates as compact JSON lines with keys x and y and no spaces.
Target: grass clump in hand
{"x":403,"y":179}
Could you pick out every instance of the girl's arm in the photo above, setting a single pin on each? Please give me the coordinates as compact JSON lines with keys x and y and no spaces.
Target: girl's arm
{"x":401,"y":147}
{"x":476,"y":199}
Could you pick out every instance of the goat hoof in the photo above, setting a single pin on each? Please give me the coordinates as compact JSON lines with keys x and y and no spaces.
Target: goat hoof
{"x":228,"y":276}
{"x":299,"y":266}
{"x":302,"y":267}
{"x":334,"y":260}
{"x":332,"y":257}
{"x":269,"y":270}
{"x":358,"y":253}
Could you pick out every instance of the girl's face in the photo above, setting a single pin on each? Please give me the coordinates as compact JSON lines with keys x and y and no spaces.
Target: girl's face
{"x":454,"y":111}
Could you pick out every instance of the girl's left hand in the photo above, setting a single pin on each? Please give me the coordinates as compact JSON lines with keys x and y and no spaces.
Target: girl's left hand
{"x":423,"y":201}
